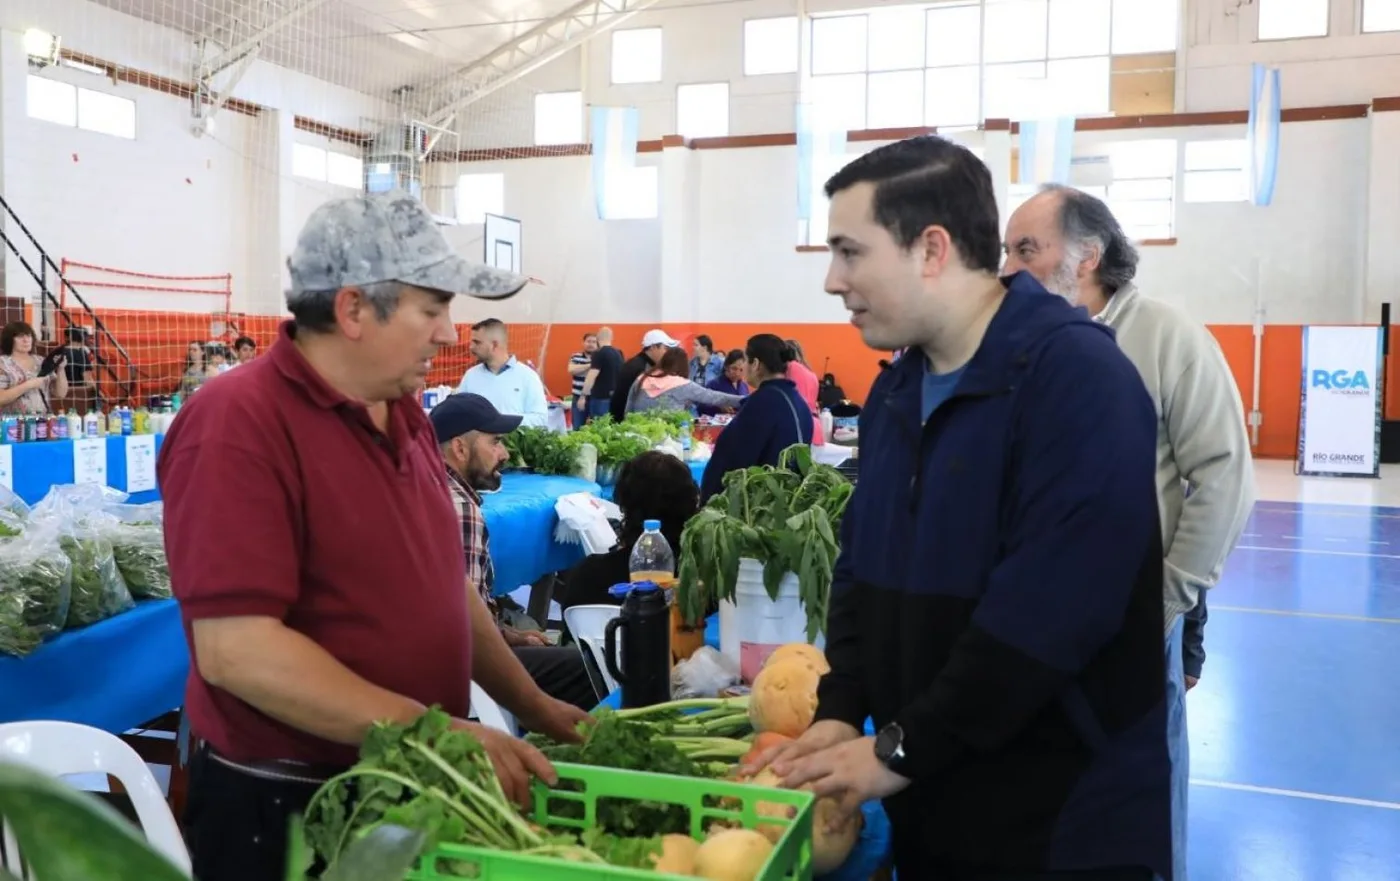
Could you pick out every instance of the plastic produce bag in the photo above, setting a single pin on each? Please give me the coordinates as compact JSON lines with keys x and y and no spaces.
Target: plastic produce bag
{"x":703,"y":674}
{"x":77,"y":515}
{"x":35,"y":589}
{"x":14,"y":513}
{"x":139,"y":552}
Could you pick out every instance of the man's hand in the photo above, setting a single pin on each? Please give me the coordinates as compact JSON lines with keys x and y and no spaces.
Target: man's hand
{"x":1191,"y":682}
{"x":848,"y":772}
{"x":522,"y":638}
{"x":555,"y":719}
{"x":822,"y":735}
{"x":515,"y":761}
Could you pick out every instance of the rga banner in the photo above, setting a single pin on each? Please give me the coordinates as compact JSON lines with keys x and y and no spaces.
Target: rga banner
{"x":1339,"y":418}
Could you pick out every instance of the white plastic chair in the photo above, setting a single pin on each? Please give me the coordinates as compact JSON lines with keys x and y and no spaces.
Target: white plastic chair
{"x":62,"y":748}
{"x":587,"y":624}
{"x":490,"y":713}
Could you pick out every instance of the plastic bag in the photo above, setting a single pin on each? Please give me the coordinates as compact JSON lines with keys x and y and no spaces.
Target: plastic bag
{"x":35,"y":590}
{"x":76,"y":514}
{"x":703,"y":674}
{"x":139,"y":552}
{"x":14,"y":514}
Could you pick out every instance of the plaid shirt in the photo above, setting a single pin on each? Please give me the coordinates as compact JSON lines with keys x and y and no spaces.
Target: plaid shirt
{"x":476,"y":539}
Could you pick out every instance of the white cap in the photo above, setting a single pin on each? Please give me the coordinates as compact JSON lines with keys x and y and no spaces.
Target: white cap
{"x":658,"y":337}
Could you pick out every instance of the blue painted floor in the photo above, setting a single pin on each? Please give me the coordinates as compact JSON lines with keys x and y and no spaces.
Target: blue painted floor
{"x":1295,"y":726}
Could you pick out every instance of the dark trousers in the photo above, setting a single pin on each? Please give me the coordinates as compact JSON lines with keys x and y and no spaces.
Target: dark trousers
{"x":236,"y":823}
{"x":561,"y":673}
{"x":962,"y":874}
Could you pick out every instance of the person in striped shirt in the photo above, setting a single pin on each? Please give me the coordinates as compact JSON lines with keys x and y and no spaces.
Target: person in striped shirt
{"x":579,"y":362}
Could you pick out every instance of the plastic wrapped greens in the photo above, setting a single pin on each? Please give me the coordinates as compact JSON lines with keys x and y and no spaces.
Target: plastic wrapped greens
{"x":76,"y":513}
{"x":35,"y":589}
{"x":139,"y":552}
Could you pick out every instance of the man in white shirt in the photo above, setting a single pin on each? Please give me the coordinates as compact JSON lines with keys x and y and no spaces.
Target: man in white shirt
{"x":1071,"y":242}
{"x":511,"y":387}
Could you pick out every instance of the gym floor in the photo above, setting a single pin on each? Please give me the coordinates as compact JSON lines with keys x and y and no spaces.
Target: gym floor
{"x":1295,"y":725}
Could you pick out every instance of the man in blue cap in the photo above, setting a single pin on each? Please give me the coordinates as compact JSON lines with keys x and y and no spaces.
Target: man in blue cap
{"x":470,"y":431}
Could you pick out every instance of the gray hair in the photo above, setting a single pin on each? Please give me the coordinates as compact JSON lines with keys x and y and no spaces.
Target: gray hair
{"x":315,"y":310}
{"x":1087,"y":223}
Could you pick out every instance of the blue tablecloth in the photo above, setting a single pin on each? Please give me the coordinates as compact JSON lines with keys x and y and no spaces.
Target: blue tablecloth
{"x":521,"y":519}
{"x":875,"y":846}
{"x":113,"y":675}
{"x":39,"y":465}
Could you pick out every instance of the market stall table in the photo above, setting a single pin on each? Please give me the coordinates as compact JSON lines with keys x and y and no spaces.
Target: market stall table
{"x":38,"y":465}
{"x":521,"y":519}
{"x":113,"y":675}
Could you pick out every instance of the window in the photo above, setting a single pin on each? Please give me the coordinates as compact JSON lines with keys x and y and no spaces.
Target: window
{"x":1013,"y":91}
{"x":1144,"y":26}
{"x":479,"y":195}
{"x":1216,"y":171}
{"x":1079,"y":86}
{"x":636,"y":56}
{"x":1291,"y":19}
{"x":954,"y":36}
{"x":839,"y":100}
{"x":896,"y":38}
{"x":950,"y":96}
{"x":702,"y":110}
{"x":1015,"y":30}
{"x":52,"y":101}
{"x":106,"y":114}
{"x":770,"y":45}
{"x":839,"y":44}
{"x":1380,"y":15}
{"x":896,"y":99}
{"x":634,"y":194}
{"x":308,"y":162}
{"x":1144,"y":183}
{"x":345,"y":170}
{"x":1078,"y":28}
{"x":558,"y":118}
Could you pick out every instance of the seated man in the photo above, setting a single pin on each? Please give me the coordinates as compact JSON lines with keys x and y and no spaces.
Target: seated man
{"x":469,"y":431}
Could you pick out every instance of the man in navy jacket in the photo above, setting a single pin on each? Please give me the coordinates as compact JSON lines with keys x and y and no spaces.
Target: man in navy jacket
{"x":997,"y":605}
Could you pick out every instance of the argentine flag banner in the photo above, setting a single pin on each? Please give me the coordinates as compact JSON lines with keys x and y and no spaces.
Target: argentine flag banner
{"x":1265,"y":114}
{"x":613,"y":134}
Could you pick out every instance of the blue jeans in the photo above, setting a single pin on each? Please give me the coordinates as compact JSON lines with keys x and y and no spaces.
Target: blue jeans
{"x":1178,"y":748}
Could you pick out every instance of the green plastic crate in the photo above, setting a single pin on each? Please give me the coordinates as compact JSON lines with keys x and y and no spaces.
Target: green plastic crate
{"x":791,"y":859}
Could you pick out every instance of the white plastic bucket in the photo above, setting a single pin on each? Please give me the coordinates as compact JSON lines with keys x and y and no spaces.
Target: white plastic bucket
{"x":753,"y":626}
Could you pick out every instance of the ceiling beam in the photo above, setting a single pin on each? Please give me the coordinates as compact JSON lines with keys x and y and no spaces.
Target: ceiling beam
{"x":530,"y":51}
{"x":220,"y":62}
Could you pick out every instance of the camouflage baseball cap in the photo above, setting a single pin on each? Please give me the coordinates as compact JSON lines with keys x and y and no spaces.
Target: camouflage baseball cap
{"x":378,"y":237}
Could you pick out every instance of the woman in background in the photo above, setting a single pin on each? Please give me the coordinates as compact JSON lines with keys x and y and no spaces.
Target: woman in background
{"x":773,"y":418}
{"x":653,"y":486}
{"x":730,"y":381}
{"x":806,"y":381}
{"x":667,"y":386}
{"x":195,"y":370}
{"x":23,"y":392}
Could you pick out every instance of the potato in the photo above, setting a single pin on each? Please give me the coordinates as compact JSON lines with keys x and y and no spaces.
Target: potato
{"x":732,"y":855}
{"x":801,"y":651}
{"x":830,"y":849}
{"x":677,"y":855}
{"x":784,"y":697}
{"x":771,"y":831}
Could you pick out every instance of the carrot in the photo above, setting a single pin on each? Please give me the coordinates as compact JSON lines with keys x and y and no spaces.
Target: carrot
{"x":762,"y":743}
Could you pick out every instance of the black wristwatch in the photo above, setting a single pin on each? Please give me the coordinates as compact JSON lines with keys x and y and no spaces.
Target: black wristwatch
{"x":889,"y":747}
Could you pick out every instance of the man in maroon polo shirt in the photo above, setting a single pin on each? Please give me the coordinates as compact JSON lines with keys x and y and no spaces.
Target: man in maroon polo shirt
{"x":313,"y":544}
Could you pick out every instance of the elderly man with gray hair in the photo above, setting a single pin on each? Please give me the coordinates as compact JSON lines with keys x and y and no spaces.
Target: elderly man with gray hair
{"x":1071,"y":242}
{"x":314,"y":547}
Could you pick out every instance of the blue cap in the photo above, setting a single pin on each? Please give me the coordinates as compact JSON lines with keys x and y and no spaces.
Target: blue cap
{"x":458,"y":414}
{"x":620,"y":591}
{"x":651,"y":525}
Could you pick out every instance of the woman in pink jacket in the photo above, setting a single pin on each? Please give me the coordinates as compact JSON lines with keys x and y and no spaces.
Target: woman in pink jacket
{"x":806,"y":382}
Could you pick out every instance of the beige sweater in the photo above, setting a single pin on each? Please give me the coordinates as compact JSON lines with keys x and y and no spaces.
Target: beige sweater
{"x":1205,"y":473}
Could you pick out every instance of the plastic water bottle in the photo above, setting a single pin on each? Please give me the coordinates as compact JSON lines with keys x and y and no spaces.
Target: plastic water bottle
{"x":652,"y":558}
{"x":687,"y":437}
{"x":90,"y":424}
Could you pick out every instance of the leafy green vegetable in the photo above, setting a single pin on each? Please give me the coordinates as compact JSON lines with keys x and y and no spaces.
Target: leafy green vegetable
{"x":545,"y":451}
{"x":139,"y":552}
{"x":35,"y":590}
{"x":786,"y":518}
{"x":98,"y":589}
{"x":431,"y":778}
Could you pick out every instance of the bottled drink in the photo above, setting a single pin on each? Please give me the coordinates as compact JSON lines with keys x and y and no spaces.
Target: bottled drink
{"x":75,"y":424}
{"x":58,"y":427}
{"x":653,"y":560}
{"x":644,"y":668}
{"x":90,"y":424}
{"x":126,"y":422}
